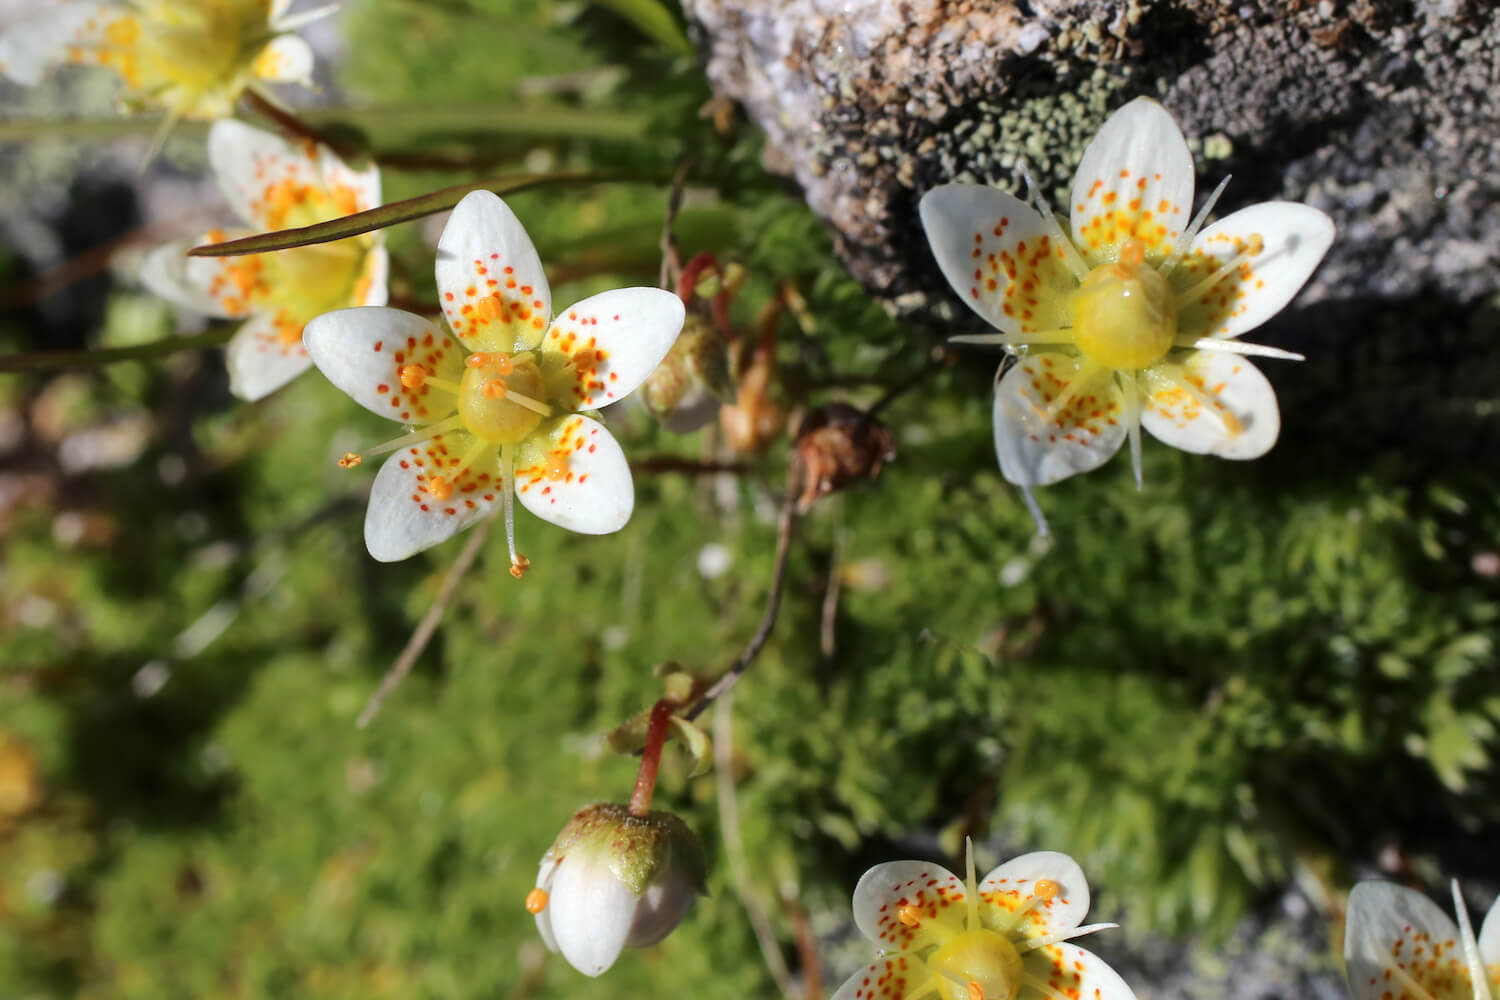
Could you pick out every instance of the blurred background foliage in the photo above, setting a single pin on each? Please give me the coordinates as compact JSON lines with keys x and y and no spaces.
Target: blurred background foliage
{"x":1244,"y":677}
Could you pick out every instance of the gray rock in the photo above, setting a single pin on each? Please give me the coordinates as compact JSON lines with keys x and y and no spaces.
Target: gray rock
{"x":1380,"y":113}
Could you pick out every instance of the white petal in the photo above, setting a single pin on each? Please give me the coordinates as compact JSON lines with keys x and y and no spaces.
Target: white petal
{"x":494,"y":291}
{"x":1472,"y":957}
{"x":282,"y":21}
{"x":262,"y":360}
{"x":353,"y":190}
{"x":363,"y":350}
{"x":995,"y":251}
{"x":1075,"y":972}
{"x":1387,"y":924}
{"x":404,"y":517}
{"x":661,"y":908}
{"x":285,"y":59}
{"x":595,"y":495}
{"x":251,"y":166}
{"x":884,"y":889}
{"x":882,"y":979}
{"x":599,"y":350}
{"x":31,"y":46}
{"x":1038,"y":442}
{"x":376,"y":280}
{"x":1213,"y":404}
{"x":544,"y":876}
{"x":1135,"y":179}
{"x":1489,"y":943}
{"x":1295,"y":236}
{"x":204,"y":284}
{"x":1012,"y":885}
{"x":592,"y":911}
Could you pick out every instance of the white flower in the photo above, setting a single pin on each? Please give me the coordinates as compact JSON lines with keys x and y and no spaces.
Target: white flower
{"x":272,"y":183}
{"x":1133,"y":321}
{"x":1000,"y":939}
{"x":1399,"y":945}
{"x":192,"y":57}
{"x":613,"y":880}
{"x":495,"y":410}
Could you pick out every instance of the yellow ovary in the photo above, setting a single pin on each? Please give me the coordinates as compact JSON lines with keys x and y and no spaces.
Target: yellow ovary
{"x":1124,"y":313}
{"x":977,"y":962}
{"x":499,"y":398}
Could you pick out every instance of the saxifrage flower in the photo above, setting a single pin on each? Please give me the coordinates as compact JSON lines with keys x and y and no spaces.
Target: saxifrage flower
{"x":1002,"y":938}
{"x":191,"y":57}
{"x":1133,"y":320}
{"x":1400,"y":945}
{"x":496,"y":410}
{"x":272,"y":183}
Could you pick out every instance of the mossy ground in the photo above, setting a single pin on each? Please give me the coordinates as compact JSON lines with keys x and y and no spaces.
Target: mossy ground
{"x":1242,"y":675}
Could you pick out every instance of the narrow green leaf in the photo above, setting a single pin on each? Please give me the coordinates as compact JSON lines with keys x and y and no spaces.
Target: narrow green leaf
{"x":40,"y":360}
{"x":412,"y":208}
{"x":654,"y":20}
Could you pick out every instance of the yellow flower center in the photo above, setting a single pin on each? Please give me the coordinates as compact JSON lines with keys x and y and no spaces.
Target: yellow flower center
{"x":977,"y":964}
{"x":1124,"y":313}
{"x":501,"y":397}
{"x":183,"y":51}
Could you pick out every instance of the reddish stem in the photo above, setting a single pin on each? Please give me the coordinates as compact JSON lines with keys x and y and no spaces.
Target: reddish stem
{"x":691,"y":274}
{"x":656,"y":737}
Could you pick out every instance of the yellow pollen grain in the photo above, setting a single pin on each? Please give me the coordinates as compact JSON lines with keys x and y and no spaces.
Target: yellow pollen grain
{"x":536,"y":901}
{"x":908,"y":916}
{"x":557,"y":468}
{"x":1045,"y":888}
{"x":440,"y":487}
{"x":478,"y":360}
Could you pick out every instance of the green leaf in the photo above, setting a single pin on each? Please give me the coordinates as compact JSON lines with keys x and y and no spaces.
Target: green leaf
{"x":653,"y":18}
{"x":412,"y":208}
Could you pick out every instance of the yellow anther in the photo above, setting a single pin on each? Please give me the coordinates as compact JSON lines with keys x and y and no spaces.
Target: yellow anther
{"x":908,"y":916}
{"x":1045,"y":889}
{"x":976,"y":992}
{"x":494,"y":389}
{"x":536,"y":901}
{"x":350,"y":460}
{"x":502,"y":364}
{"x":413,"y":376}
{"x":557,"y":468}
{"x":1132,"y":254}
{"x":440,"y":487}
{"x":519,"y":564}
{"x":480,"y":360}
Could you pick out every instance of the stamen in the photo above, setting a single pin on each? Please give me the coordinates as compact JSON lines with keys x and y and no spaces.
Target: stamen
{"x":1062,"y":335}
{"x":536,"y":901}
{"x":1035,"y":510}
{"x":1067,"y":935}
{"x":908,"y":916}
{"x":1252,"y":247}
{"x":500,"y":362}
{"x":1042,"y":986}
{"x":557,"y":468}
{"x":1087,"y":369}
{"x":1045,"y":889}
{"x":1132,"y":256}
{"x":976,"y":992}
{"x":1130,"y":392}
{"x":1070,"y":253}
{"x":1237,"y":347}
{"x":534,"y":405}
{"x":518,"y":563}
{"x":440,"y":487}
{"x":1191,"y":233}
{"x":453,"y":423}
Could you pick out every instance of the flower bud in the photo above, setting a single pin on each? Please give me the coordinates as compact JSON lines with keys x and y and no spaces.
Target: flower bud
{"x":687,"y":388}
{"x":612,"y":880}
{"x":838,"y":444}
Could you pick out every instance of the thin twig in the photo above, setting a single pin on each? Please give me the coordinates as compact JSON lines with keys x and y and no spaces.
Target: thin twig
{"x":734,"y":847}
{"x":428,"y":625}
{"x":807,"y":949}
{"x":731,"y":677}
{"x":828,"y":633}
{"x":671,"y":259}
